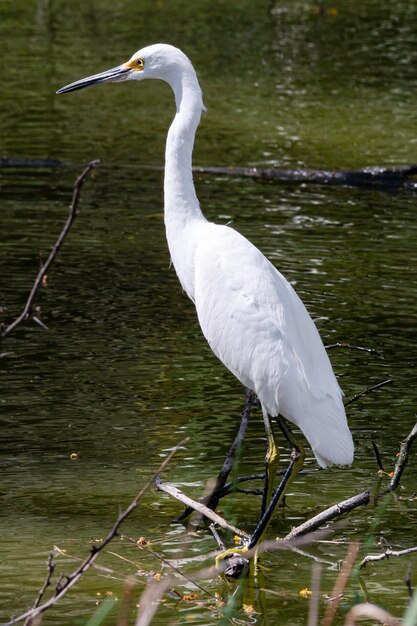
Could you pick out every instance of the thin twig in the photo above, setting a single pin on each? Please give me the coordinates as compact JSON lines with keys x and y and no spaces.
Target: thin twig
{"x":386,"y":554}
{"x":407,"y":581}
{"x":368,"y":390}
{"x":217,"y":537}
{"x":66,"y":582}
{"x":50,"y":567}
{"x":198,"y":506}
{"x":329,"y":514}
{"x":231,"y":487}
{"x":25,"y":314}
{"x":378,"y":457}
{"x":402,"y":458}
{"x":351,"y":347}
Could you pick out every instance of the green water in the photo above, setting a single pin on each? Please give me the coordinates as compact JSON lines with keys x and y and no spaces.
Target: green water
{"x":123,"y":373}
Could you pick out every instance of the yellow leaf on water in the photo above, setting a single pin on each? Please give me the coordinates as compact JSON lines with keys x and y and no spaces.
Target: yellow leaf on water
{"x":189,"y":597}
{"x":248,"y":608}
{"x":141,"y":541}
{"x":304,"y":593}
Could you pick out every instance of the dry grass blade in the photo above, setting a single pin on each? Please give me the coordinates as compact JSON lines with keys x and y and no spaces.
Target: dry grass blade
{"x":149,"y":600}
{"x":313,"y":608}
{"x":340,"y":584}
{"x":370,"y":611}
{"x":126,"y":602}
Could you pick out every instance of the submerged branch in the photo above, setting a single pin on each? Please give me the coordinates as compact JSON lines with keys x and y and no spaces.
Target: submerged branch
{"x":26,"y":312}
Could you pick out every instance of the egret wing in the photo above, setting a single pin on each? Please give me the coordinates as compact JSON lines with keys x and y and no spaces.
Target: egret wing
{"x":260,"y":329}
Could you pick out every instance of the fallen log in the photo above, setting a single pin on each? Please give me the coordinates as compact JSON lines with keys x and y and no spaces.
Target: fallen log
{"x":373,"y":177}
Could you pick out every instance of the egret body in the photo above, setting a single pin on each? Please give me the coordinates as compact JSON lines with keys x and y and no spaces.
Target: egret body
{"x":252,"y":318}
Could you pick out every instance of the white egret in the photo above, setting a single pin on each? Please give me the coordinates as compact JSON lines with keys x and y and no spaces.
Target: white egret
{"x":252,"y":318}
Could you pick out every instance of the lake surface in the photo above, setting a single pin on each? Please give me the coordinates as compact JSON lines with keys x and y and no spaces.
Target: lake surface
{"x":123,"y":373}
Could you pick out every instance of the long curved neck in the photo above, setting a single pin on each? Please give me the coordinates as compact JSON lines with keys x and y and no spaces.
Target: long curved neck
{"x":181,"y":202}
{"x":182,"y":210}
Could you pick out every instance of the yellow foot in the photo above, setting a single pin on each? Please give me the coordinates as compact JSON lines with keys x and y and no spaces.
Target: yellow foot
{"x":232,"y":563}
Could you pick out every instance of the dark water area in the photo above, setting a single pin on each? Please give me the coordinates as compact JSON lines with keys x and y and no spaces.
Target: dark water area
{"x":123,"y":373}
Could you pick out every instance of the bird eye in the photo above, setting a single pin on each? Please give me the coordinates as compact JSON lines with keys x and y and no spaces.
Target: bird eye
{"x":140,"y":63}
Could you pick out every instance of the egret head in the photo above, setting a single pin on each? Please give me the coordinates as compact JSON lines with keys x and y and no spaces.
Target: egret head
{"x":157,"y":61}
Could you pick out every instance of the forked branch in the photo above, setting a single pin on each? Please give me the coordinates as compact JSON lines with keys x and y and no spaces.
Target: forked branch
{"x":26,"y":312}
{"x":402,"y":458}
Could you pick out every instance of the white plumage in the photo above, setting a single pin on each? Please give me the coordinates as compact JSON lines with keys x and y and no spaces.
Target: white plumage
{"x":250,"y":315}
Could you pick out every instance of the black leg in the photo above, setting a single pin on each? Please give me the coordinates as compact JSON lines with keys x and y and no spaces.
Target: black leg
{"x":296,"y":463}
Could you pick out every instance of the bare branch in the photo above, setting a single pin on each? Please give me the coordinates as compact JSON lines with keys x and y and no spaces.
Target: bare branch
{"x":217,"y":537}
{"x":66,"y":582}
{"x":378,"y":457}
{"x":198,"y":506}
{"x":50,"y":567}
{"x":407,"y":581}
{"x":26,"y":312}
{"x":329,"y":514}
{"x":368,"y":390}
{"x":351,"y":347}
{"x":402,"y":458}
{"x":386,"y":554}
